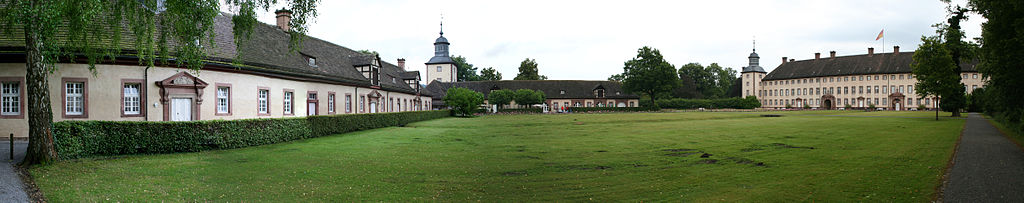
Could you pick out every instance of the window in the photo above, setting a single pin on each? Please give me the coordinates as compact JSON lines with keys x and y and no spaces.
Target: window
{"x":438,"y":70}
{"x":964,"y":76}
{"x":131,"y":99}
{"x":263,"y":102}
{"x":11,"y":98}
{"x":600,"y":93}
{"x":311,"y":60}
{"x":330,"y":103}
{"x":348,"y":103}
{"x":901,"y":88}
{"x":362,"y":102}
{"x":75,"y":98}
{"x":869,"y":78}
{"x":223,"y":100}
{"x":861,"y":78}
{"x":975,"y":76}
{"x":973,"y":87}
{"x":910,"y":101}
{"x":876,"y":89}
{"x":287,"y":108}
{"x":910,"y":89}
{"x":876,"y":77}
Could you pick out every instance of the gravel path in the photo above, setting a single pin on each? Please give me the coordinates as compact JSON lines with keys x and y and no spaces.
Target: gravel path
{"x":11,"y":189}
{"x":988,"y":167}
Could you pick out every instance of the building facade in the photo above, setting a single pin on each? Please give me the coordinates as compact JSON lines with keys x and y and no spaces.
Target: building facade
{"x":270,"y":81}
{"x":882,"y":80}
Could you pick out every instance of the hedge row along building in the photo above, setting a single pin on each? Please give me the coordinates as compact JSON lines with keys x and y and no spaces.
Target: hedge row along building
{"x":269,"y":82}
{"x":884,"y":80}
{"x":559,"y":93}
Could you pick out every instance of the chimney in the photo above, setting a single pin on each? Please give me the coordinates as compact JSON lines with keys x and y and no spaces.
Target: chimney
{"x":784,"y":59}
{"x":896,"y":49}
{"x":817,"y":56}
{"x":284,"y":16}
{"x":401,"y":63}
{"x":871,"y":51}
{"x":833,"y":54}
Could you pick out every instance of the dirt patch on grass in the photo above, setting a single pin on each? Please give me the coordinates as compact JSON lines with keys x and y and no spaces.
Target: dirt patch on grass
{"x":678,"y":150}
{"x":751,"y":149}
{"x":601,"y":151}
{"x":783,"y":145}
{"x":706,"y":155}
{"x":529,"y":157}
{"x":741,"y":160}
{"x":587,"y":167}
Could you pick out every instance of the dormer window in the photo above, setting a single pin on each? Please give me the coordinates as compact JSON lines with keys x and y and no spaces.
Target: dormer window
{"x":618,"y":93}
{"x":310,"y":60}
{"x":561,"y":92}
{"x":599,"y":93}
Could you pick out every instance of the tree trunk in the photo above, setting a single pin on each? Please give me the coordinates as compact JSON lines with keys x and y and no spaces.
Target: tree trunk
{"x":956,"y":113}
{"x":40,"y":114}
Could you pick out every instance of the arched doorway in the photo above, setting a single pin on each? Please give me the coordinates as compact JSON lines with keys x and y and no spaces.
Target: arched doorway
{"x":828,"y":102}
{"x":374,"y":102}
{"x":896,"y":101}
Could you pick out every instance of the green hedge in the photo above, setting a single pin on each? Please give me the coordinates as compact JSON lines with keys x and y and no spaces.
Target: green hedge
{"x":597,"y":109}
{"x":727,"y":103}
{"x":77,"y":139}
{"x":526,"y":110}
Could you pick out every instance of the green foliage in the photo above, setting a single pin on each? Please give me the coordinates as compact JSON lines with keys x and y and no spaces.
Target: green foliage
{"x":921,"y":107}
{"x":847,"y":106}
{"x":649,"y":73}
{"x":490,"y":74}
{"x":369,"y":52}
{"x":937,"y":74}
{"x":78,"y":139}
{"x":727,"y":103}
{"x":528,"y":71}
{"x":617,"y":77}
{"x":528,"y":97}
{"x":1001,"y":59}
{"x":870,"y":106}
{"x":501,"y":97}
{"x":463,"y":101}
{"x":713,"y":81}
{"x":465,"y":70}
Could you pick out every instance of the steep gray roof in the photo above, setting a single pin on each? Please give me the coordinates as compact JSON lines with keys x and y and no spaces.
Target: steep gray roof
{"x":440,"y":60}
{"x":879,"y":63}
{"x":753,"y":69}
{"x":267,"y":50}
{"x":574,"y":89}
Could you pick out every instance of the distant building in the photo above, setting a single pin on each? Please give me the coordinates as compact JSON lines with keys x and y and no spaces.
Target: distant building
{"x":884,"y":80}
{"x":442,"y":73}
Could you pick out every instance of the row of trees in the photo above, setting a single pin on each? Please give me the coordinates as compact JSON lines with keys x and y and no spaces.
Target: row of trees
{"x":651,"y":75}
{"x":467,"y":72}
{"x":522,"y":97}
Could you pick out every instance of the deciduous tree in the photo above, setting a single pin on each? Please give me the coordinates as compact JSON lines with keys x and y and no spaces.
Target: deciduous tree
{"x":61,"y":30}
{"x":650,"y":74}
{"x":528,"y":71}
{"x":464,"y":102}
{"x":466,"y":71}
{"x":1001,"y":58}
{"x":489,"y":74}
{"x":501,"y":97}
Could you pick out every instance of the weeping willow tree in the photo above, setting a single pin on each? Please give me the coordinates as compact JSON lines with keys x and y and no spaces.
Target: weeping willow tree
{"x":164,"y":32}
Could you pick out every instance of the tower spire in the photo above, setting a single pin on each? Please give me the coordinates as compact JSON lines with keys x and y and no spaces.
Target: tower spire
{"x":442,"y":23}
{"x":755,"y":43}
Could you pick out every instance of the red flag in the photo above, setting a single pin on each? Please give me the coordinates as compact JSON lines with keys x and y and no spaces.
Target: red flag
{"x":879,"y":35}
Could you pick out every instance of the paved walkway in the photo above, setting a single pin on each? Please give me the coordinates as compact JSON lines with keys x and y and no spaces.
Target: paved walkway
{"x":988,"y":167}
{"x":11,"y":189}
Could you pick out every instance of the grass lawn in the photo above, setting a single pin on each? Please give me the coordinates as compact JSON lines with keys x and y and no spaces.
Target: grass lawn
{"x":517,"y":158}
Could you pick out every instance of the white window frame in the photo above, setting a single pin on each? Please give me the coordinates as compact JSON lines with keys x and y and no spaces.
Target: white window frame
{"x":330,"y":103}
{"x":74,"y":98}
{"x":223,"y":99}
{"x":11,"y":98}
{"x":132,"y":100}
{"x":287,"y":109}
{"x":263,"y":101}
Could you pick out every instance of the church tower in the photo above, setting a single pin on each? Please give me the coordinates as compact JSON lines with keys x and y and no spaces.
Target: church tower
{"x":441,"y":67}
{"x":752,"y":75}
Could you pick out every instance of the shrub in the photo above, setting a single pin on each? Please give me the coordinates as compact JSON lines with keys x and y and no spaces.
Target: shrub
{"x":728,"y":103}
{"x":921,"y":107}
{"x":77,"y":139}
{"x":463,"y":101}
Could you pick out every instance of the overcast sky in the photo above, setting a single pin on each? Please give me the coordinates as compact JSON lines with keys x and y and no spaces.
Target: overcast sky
{"x":590,"y":40}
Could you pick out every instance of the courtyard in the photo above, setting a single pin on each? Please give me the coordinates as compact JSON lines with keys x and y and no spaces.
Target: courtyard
{"x":692,"y":156}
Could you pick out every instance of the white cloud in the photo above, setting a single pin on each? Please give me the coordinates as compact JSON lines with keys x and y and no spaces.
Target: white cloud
{"x":591,"y":39}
